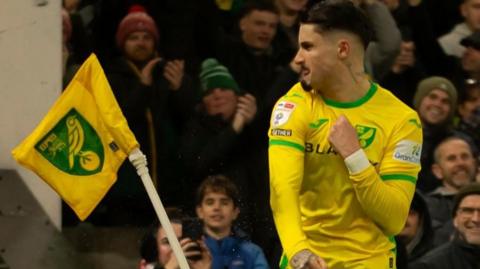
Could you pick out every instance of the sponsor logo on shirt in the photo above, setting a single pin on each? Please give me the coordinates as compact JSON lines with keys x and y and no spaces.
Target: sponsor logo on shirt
{"x":318,"y":149}
{"x":281,"y":132}
{"x":282,"y":113}
{"x":408,"y":151}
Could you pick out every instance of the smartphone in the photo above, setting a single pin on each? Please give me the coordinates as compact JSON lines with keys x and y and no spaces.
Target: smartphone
{"x":193,"y":228}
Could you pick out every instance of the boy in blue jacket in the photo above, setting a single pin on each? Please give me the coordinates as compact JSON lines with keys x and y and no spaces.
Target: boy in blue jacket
{"x":217,"y":207}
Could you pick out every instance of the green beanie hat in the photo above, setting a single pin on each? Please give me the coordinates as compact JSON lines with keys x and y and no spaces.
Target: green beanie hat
{"x":431,"y":83}
{"x":214,"y":75}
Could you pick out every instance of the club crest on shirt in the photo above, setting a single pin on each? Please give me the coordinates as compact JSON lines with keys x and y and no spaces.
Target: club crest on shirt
{"x":408,"y":151}
{"x":282,"y":113}
{"x":365,"y":134}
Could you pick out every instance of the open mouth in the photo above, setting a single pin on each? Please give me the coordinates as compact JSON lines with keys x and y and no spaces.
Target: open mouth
{"x":305,"y":72}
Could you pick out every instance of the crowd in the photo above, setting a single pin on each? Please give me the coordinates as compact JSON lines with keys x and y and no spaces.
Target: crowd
{"x":197,"y":81}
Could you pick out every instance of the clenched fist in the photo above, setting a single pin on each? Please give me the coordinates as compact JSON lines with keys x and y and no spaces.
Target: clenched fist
{"x":343,"y":137}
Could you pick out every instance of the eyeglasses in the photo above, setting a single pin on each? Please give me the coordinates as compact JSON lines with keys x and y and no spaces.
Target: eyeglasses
{"x":468,"y":211}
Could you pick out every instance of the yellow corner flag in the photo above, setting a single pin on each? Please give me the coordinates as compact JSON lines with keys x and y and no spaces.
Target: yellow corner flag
{"x":82,"y":141}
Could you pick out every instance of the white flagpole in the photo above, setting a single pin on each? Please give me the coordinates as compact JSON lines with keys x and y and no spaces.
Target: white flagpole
{"x":139,"y":161}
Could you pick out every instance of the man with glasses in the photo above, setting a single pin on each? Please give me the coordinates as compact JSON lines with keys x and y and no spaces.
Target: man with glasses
{"x":464,"y":250}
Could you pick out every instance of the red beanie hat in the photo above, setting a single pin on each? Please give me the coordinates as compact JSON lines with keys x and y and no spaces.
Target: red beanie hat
{"x":136,"y":20}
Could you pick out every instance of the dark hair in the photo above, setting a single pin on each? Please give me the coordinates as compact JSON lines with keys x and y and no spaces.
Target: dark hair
{"x":249,"y":7}
{"x":470,"y":189}
{"x":343,"y":15}
{"x":148,"y":244}
{"x":217,"y":183}
{"x":436,"y":150}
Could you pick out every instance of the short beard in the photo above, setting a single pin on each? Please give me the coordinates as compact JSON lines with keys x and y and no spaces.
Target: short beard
{"x":306,"y":86}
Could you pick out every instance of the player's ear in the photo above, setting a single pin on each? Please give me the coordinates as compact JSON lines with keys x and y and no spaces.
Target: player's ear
{"x":343,"y":49}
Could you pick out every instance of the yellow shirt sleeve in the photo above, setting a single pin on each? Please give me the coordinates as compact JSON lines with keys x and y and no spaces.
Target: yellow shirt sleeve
{"x":386,"y":196}
{"x":286,"y":163}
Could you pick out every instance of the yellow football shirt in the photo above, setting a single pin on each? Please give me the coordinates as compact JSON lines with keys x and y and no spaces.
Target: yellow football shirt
{"x":317,"y":205}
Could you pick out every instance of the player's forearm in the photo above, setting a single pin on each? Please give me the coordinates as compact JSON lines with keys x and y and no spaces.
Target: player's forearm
{"x":287,"y":221}
{"x":386,"y":202}
{"x":286,"y":174}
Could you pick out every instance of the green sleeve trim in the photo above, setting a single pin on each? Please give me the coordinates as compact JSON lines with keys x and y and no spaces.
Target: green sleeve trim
{"x":394,"y":249}
{"x":399,"y":177}
{"x":274,"y":142}
{"x":283,"y":262}
{"x":371,"y":91}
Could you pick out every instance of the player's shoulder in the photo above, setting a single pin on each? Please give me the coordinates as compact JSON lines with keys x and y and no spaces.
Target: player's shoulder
{"x":390,"y":102}
{"x":292,"y":108}
{"x":394,"y":111}
{"x":296,"y":94}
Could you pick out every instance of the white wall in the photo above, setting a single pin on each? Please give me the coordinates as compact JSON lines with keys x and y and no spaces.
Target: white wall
{"x":30,"y":81}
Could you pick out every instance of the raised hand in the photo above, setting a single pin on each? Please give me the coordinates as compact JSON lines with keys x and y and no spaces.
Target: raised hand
{"x":246,"y":110}
{"x":343,"y":137}
{"x":173,"y":72}
{"x":146,"y":72}
{"x":205,"y":262}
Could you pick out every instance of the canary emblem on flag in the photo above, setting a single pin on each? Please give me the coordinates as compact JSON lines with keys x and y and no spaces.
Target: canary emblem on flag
{"x":73,"y":146}
{"x":82,"y":141}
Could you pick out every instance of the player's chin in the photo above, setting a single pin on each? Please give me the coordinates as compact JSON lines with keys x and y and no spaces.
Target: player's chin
{"x":306,"y":85}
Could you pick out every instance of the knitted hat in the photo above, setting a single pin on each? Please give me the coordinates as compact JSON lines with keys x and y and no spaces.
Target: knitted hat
{"x":136,"y":20}
{"x":214,"y":75}
{"x":472,"y":188}
{"x":431,"y":83}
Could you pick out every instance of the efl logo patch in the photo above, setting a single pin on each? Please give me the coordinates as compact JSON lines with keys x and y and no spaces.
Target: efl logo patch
{"x":282,"y":113}
{"x":286,"y":105}
{"x":408,"y":151}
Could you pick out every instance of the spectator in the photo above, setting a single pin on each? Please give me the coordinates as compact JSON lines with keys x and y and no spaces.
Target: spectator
{"x":219,"y":139}
{"x":285,"y":43}
{"x":404,"y":74}
{"x":216,"y":137}
{"x":156,"y":98}
{"x":79,"y":42}
{"x":435,"y":101}
{"x":380,"y":53}
{"x":464,"y":251}
{"x":249,"y":59}
{"x":417,"y":234}
{"x":455,"y":166}
{"x":435,"y":60}
{"x":469,"y":112}
{"x":444,"y":15}
{"x":406,"y":70}
{"x":69,"y":67}
{"x":450,"y":42}
{"x":155,"y":249}
{"x":217,"y":207}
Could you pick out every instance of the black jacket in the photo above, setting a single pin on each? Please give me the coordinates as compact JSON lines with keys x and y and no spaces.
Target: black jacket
{"x":169,"y":109}
{"x":453,"y":255}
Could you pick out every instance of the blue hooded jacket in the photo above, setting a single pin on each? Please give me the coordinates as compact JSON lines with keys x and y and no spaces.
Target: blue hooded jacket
{"x":235,"y":252}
